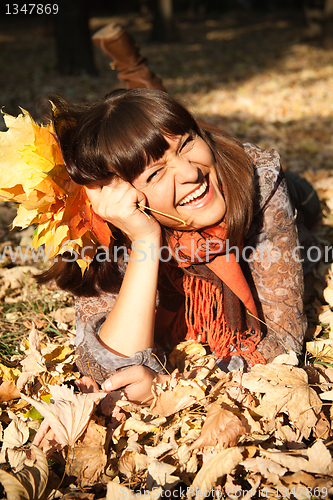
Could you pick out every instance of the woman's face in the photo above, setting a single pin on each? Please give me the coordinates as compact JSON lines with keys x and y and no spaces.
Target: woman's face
{"x":183,"y":183}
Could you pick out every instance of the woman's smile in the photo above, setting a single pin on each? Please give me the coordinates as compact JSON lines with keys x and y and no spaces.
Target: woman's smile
{"x":183,"y":184}
{"x":200,"y":197}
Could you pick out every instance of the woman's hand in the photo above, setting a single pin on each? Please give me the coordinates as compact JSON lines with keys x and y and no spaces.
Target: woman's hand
{"x":136,"y":383}
{"x":117,"y":203}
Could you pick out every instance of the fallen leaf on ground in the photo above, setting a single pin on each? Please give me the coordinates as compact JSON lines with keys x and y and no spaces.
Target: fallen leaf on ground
{"x":216,"y":468}
{"x":285,"y":389}
{"x":87,"y":460}
{"x":171,"y":400}
{"x":221,"y":429}
{"x":8,"y":391}
{"x":68,"y":414}
{"x":30,"y":482}
{"x":34,"y":363}
{"x":160,"y":474}
{"x":318,"y":461}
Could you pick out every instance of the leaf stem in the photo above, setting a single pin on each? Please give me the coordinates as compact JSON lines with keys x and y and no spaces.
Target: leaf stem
{"x":143,"y":207}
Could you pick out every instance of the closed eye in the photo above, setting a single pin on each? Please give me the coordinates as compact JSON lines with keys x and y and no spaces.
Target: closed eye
{"x":152,"y":176}
{"x":187,"y":141}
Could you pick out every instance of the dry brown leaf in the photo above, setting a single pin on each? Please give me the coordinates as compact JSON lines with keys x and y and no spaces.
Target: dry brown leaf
{"x":68,"y":414}
{"x":87,"y":460}
{"x":327,"y":395}
{"x":14,"y":437}
{"x":323,"y":427}
{"x":329,"y":373}
{"x":299,"y":481}
{"x":15,"y":277}
{"x":186,"y":350}
{"x":16,"y":434}
{"x":157,"y":451}
{"x":28,"y":483}
{"x":160,"y":474}
{"x":319,"y":459}
{"x":234,"y":490}
{"x":265,"y":466}
{"x":322,"y":349}
{"x":64,"y":315}
{"x":7,"y":373}
{"x":221,"y":429}
{"x":131,"y":462}
{"x":39,"y":470}
{"x":291,"y":462}
{"x":285,"y":433}
{"x":192,"y":465}
{"x":183,"y":454}
{"x":286,"y":390}
{"x":172,"y":400}
{"x":217,"y":467}
{"x":140,"y":426}
{"x":252,"y":426}
{"x":13,"y":487}
{"x":133,"y":445}
{"x":34,"y":363}
{"x":328,"y":295}
{"x":8,"y":391}
{"x":287,"y":359}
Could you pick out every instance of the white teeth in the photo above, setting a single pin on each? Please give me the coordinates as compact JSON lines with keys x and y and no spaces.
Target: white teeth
{"x":195,"y":194}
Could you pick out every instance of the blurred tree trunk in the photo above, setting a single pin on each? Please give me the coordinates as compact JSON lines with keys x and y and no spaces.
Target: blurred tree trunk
{"x":164,"y":25}
{"x":73,"y":44}
{"x":328,"y":25}
{"x":196,"y":9}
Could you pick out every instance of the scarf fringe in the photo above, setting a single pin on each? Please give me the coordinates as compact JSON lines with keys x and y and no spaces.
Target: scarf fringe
{"x":206,"y":322}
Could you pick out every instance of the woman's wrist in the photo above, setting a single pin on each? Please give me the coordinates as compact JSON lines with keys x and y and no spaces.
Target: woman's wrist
{"x":146,"y":249}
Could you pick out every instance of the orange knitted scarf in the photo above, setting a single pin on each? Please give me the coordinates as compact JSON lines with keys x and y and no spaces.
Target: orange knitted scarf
{"x":217,"y":294}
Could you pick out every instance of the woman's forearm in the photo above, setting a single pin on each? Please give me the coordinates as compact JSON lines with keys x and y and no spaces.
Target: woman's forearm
{"x":129,"y":327}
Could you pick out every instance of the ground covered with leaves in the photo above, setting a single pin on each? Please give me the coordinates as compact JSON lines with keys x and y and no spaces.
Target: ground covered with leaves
{"x":207,"y":434}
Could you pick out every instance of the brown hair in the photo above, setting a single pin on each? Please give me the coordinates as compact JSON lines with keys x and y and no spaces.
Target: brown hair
{"x":120,"y":135}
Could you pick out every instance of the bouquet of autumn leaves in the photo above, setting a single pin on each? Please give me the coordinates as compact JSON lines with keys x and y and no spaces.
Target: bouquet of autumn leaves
{"x":32,"y":174}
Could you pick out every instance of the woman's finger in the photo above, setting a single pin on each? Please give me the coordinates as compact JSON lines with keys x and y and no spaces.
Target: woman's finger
{"x":87,"y":385}
{"x":93,"y":194}
{"x":121,"y":379}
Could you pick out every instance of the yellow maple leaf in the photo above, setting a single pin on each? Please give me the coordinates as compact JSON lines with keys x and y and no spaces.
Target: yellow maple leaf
{"x":33,"y":174}
{"x":10,"y":374}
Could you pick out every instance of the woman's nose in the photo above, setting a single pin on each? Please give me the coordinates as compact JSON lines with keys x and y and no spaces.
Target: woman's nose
{"x":186,"y":172}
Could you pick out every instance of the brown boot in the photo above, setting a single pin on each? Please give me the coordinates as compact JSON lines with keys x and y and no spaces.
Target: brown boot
{"x":132,"y":68}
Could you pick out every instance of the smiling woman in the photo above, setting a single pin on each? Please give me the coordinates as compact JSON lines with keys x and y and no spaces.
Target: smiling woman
{"x":183,"y":183}
{"x":217,"y":213}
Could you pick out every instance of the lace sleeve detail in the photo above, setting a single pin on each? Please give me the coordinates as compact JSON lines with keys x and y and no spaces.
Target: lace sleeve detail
{"x":275,"y":270}
{"x":85,"y":308}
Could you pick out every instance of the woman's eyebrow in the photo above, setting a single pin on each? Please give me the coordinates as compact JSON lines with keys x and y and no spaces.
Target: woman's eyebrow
{"x":154,"y":165}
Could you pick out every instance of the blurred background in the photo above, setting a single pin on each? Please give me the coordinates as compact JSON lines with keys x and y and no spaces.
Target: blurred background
{"x":262,"y":69}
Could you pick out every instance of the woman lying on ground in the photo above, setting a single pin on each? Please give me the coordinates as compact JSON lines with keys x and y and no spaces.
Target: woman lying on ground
{"x":213,"y":259}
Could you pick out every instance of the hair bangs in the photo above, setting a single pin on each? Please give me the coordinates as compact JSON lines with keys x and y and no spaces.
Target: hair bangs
{"x":132,"y":147}
{"x":136,"y":130}
{"x":118,"y":135}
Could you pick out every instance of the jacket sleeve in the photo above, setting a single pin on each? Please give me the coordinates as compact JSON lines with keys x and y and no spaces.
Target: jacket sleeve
{"x":274,"y":264}
{"x":96,"y":361}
